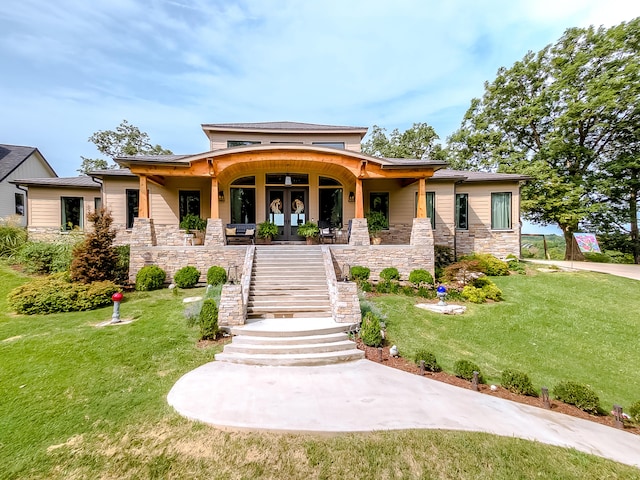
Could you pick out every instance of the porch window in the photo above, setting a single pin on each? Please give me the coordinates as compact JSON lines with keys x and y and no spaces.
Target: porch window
{"x":243,"y":205}
{"x":462,"y":211}
{"x":379,"y":202}
{"x":133,"y":200}
{"x":331,"y":206}
{"x":501,"y":211}
{"x":19,"y":199}
{"x":431,"y":208}
{"x":189,"y":202}
{"x":241,"y":143}
{"x":339,"y":145}
{"x":71,"y":208}
{"x":97,"y":203}
{"x":281,"y":179}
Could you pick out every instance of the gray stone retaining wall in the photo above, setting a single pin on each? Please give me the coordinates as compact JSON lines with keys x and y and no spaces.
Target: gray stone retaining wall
{"x":53,"y":235}
{"x":482,"y":240}
{"x":343,"y":296}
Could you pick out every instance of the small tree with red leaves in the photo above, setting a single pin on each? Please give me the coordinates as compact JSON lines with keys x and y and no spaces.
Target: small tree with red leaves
{"x":95,"y":259}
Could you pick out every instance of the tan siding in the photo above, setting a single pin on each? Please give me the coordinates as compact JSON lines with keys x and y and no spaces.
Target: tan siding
{"x":114,"y":196}
{"x":45,"y":205}
{"x":218,"y":140}
{"x":480,"y":202}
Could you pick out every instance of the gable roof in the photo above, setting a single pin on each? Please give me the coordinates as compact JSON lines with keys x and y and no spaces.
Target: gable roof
{"x":12,"y":156}
{"x":283,"y":127}
{"x":474,"y":176}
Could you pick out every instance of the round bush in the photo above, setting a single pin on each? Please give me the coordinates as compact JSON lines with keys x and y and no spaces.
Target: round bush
{"x":150,"y":277}
{"x":465,"y":368}
{"x":473,"y":294}
{"x":634,"y":412}
{"x":370,"y":330}
{"x":216,"y":275}
{"x":390,"y":273}
{"x":420,"y":276}
{"x":430,"y":362}
{"x":208,"y":320}
{"x":359,"y":274}
{"x":186,"y":277}
{"x":517,"y":382}
{"x":578,"y":394}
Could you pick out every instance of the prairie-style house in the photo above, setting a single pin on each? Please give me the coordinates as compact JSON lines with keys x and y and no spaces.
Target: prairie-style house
{"x":289,"y":173}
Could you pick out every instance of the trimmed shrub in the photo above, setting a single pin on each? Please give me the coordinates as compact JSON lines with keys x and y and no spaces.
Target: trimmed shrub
{"x":430,"y":362}
{"x":56,"y":293}
{"x":390,"y":273}
{"x":12,"y":238}
{"x":370,"y":330}
{"x":578,"y":394}
{"x":94,"y":259}
{"x":517,"y":382}
{"x":208,"y":320}
{"x":634,"y":412}
{"x":121,"y":273}
{"x":407,"y":290}
{"x":420,"y":277}
{"x":186,"y":277}
{"x":473,"y":294}
{"x":44,"y":257}
{"x":481,"y":289}
{"x":489,"y":265}
{"x":359,"y":274}
{"x":216,"y":275}
{"x":464,"y":369}
{"x":150,"y":277}
{"x":426,"y":292}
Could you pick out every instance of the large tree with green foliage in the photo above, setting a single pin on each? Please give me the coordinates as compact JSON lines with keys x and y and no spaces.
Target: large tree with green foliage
{"x":125,"y":140}
{"x":419,"y":141}
{"x":558,"y":116}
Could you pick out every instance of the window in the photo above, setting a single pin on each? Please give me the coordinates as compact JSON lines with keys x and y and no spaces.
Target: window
{"x":281,"y":179}
{"x":71,"y":212}
{"x":243,"y":200}
{"x":330,"y":198}
{"x":286,"y":143}
{"x":189,"y":203}
{"x":501,"y":211}
{"x":339,"y":145}
{"x":241,"y":143}
{"x":133,"y":200}
{"x":431,"y":208}
{"x":97,"y":203}
{"x":462,"y":211}
{"x":19,"y":203}
{"x":379,"y":202}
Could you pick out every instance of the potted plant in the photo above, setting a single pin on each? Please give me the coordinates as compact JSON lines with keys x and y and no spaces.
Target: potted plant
{"x":309,"y":230}
{"x":191,"y":224}
{"x":267,"y":230}
{"x":376,"y":221}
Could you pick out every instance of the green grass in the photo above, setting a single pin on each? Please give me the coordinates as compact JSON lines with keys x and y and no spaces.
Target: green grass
{"x":554,"y":326}
{"x":77,"y":401}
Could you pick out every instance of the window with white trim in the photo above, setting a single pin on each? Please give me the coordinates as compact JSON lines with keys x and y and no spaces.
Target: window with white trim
{"x":501,"y":211}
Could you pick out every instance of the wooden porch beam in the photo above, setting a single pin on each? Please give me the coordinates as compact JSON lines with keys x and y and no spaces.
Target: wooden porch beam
{"x":215,"y":205}
{"x":359,"y":199}
{"x":156,"y":179}
{"x":422,"y":198}
{"x":143,"y":207}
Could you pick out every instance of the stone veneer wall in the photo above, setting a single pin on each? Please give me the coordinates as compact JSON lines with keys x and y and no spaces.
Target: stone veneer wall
{"x":53,"y":235}
{"x":359,"y":232}
{"x":398,"y":234}
{"x":482,"y":240}
{"x":345,"y":304}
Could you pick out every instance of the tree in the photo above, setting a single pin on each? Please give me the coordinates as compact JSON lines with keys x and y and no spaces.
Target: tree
{"x":95,"y":259}
{"x":557,"y":116}
{"x":125,"y":141}
{"x":416,"y":142}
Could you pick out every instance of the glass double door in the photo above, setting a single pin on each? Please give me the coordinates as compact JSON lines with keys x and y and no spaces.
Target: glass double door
{"x":288,"y":208}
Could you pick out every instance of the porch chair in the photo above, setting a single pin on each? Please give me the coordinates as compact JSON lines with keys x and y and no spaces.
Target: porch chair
{"x":326,"y":231}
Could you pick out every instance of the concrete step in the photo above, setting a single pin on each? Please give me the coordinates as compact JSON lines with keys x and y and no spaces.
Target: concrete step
{"x":286,"y":349}
{"x":287,"y":306}
{"x":288,"y":297}
{"x":286,"y":315}
{"x":293,"y":359}
{"x":300,"y":327}
{"x":297,"y":340}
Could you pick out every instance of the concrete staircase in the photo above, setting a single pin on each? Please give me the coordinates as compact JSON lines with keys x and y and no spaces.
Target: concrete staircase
{"x":289,"y":319}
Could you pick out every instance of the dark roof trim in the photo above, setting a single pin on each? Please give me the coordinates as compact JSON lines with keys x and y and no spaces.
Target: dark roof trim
{"x":282,"y":127}
{"x":59,"y":182}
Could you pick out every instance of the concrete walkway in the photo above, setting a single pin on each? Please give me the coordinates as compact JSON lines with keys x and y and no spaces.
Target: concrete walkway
{"x":618,"y":269}
{"x":365,"y":396}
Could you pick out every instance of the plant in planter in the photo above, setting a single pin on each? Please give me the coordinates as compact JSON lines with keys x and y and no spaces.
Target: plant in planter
{"x":192,"y":224}
{"x":309,"y":230}
{"x":267,"y":230}
{"x":376,"y":221}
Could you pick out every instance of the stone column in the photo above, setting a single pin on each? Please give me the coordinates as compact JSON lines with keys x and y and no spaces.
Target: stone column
{"x":421,"y":233}
{"x":359,"y":232}
{"x":142,"y":234}
{"x":231,"y":309}
{"x":214,"y":234}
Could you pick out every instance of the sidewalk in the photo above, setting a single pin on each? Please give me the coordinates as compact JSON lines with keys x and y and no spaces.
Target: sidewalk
{"x":364,"y":396}
{"x":618,"y":269}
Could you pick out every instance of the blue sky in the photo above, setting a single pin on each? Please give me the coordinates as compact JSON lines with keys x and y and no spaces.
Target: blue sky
{"x":72,"y":67}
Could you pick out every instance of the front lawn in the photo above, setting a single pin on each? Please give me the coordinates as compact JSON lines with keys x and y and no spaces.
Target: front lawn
{"x":554,"y":326}
{"x":77,"y":401}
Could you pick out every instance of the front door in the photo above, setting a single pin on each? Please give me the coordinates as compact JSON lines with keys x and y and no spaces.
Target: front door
{"x":288,"y":208}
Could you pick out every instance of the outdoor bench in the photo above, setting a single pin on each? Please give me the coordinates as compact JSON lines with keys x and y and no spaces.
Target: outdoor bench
{"x":241,"y":232}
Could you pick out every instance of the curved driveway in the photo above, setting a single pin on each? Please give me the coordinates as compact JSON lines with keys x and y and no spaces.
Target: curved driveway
{"x":618,"y":269}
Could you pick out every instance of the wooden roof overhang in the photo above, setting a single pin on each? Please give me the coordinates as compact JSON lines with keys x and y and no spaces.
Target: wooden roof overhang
{"x":230,"y":163}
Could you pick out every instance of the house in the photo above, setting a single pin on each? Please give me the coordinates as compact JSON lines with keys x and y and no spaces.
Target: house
{"x":19,"y":162}
{"x":288,"y":173}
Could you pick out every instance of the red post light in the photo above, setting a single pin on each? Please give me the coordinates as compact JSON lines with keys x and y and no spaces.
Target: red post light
{"x":116,"y":297}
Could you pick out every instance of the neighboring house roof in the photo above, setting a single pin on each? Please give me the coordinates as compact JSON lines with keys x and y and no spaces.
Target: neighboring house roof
{"x":471,"y":176}
{"x":74,"y":182}
{"x":282,"y":127}
{"x":12,"y":156}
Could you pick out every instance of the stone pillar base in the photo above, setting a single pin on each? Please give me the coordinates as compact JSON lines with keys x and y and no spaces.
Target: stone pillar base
{"x":359,"y":232}
{"x":215,"y":232}
{"x":230,"y":309}
{"x":142,"y":233}
{"x":421,"y":233}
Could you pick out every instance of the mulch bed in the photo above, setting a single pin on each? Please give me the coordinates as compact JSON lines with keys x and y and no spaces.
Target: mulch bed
{"x":373,"y":354}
